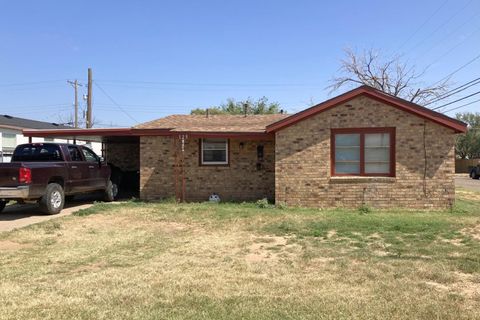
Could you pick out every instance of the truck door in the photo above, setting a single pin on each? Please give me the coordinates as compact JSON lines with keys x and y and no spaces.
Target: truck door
{"x":94,"y":168}
{"x":78,"y":171}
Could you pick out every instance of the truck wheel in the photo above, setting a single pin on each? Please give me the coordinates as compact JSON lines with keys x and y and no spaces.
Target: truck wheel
{"x":53,"y":200}
{"x":2,"y":205}
{"x":110,"y":192}
{"x":473,"y":174}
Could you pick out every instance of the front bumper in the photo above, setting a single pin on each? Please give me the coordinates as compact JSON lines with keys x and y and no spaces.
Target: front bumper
{"x":20,"y":192}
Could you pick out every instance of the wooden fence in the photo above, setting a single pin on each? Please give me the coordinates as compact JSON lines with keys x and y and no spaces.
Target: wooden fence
{"x":464,"y":165}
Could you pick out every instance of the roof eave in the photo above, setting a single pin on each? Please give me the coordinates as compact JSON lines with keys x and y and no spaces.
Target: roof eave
{"x":142,"y":132}
{"x":457,"y":126}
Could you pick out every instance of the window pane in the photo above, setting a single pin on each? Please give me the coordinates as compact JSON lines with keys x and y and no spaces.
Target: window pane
{"x":214,"y":150}
{"x":74,"y":154}
{"x":9,"y":140}
{"x":377,"y":154}
{"x":214,"y":144}
{"x":347,"y":167}
{"x":347,"y":140}
{"x":375,"y":167}
{"x":377,"y":140}
{"x":41,"y":152}
{"x":89,"y":155}
{"x":347,"y":154}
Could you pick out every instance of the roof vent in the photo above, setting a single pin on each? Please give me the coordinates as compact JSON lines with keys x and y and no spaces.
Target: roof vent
{"x":7,"y":116}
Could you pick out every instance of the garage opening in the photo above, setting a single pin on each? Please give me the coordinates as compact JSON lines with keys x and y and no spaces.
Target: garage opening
{"x":120,"y":148}
{"x":122,"y":154}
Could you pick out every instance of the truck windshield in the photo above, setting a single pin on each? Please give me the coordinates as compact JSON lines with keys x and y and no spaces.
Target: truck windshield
{"x":37,"y":152}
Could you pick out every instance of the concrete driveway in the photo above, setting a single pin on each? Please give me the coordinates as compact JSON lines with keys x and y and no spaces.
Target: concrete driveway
{"x":465,"y":182}
{"x":18,"y":216}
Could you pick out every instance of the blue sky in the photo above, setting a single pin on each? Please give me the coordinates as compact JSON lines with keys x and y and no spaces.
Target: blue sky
{"x":155,"y":58}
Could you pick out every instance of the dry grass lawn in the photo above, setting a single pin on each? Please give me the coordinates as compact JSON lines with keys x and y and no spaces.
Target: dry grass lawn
{"x":239,"y":261}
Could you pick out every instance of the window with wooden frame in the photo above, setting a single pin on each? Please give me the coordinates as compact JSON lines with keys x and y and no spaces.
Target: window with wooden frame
{"x":214,"y":151}
{"x":363,"y":152}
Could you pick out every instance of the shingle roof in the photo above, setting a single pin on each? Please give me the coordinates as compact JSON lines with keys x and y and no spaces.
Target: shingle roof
{"x":22,"y":123}
{"x":213,"y":123}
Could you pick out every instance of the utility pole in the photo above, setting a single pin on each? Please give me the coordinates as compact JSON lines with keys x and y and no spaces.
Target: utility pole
{"x":89,"y":99}
{"x":75,"y":87}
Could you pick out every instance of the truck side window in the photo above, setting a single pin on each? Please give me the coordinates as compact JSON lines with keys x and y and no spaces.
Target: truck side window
{"x":74,"y":154}
{"x":90,"y":156}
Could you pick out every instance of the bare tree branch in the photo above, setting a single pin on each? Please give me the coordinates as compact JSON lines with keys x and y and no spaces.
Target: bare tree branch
{"x":390,"y":75}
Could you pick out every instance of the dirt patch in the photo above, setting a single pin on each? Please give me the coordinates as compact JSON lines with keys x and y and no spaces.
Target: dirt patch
{"x":438,"y":286}
{"x":331,"y":234}
{"x":11,"y":246}
{"x":456,"y":242}
{"x":270,"y":248}
{"x":466,"y":285}
{"x":468,"y":194}
{"x":472,"y":232}
{"x":91,"y":267}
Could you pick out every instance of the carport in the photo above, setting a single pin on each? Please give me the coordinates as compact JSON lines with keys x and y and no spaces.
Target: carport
{"x":120,"y":149}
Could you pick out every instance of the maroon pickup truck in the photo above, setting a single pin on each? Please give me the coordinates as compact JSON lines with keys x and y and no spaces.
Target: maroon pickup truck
{"x":50,"y":172}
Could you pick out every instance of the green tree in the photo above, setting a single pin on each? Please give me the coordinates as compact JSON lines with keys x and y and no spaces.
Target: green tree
{"x":260,"y":106}
{"x":468,"y":144}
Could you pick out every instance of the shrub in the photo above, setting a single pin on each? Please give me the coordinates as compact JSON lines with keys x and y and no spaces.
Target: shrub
{"x":281,"y":205}
{"x":364,"y":209}
{"x":263,"y":203}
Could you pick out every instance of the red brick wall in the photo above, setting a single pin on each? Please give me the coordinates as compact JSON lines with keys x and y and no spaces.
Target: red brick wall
{"x":303,"y":161}
{"x":240,"y":181}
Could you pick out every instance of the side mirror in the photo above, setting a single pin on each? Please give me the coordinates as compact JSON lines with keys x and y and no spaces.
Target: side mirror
{"x":101,"y":160}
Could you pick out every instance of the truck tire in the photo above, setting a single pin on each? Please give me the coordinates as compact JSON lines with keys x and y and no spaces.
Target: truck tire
{"x":110,"y":192}
{"x":473,"y":174}
{"x":53,"y":200}
{"x":2,"y":205}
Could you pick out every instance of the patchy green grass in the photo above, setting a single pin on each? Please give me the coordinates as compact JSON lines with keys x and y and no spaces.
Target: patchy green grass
{"x":244,"y":261}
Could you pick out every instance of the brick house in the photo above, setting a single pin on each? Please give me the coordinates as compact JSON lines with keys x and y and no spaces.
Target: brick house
{"x":362,"y":147}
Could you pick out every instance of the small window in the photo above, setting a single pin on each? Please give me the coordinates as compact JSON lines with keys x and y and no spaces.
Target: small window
{"x":214,"y":151}
{"x":74,"y":154}
{"x":9,"y":142}
{"x":364,"y":152}
{"x":89,"y":155}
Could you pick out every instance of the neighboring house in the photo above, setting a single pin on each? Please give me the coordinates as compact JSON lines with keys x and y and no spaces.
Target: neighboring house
{"x":11,"y":134}
{"x":363,"y":147}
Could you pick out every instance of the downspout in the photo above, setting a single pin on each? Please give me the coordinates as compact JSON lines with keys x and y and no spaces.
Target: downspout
{"x":425,"y":158}
{"x":183,"y":138}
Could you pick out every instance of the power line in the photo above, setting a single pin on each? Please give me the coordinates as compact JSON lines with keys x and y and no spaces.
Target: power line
{"x":440,"y":26}
{"x":41,"y":106}
{"x":454,"y":91}
{"x":114,"y":102}
{"x":463,"y":98}
{"x":205,"y":84}
{"x":423,"y":24}
{"x":457,"y":70}
{"x":28,"y":83}
{"x":453,"y":48}
{"x":148,"y":106}
{"x":442,"y":40}
{"x":463,"y":105}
